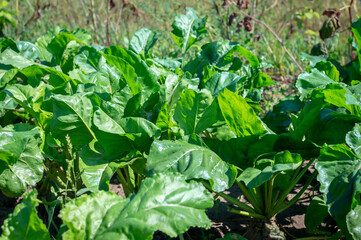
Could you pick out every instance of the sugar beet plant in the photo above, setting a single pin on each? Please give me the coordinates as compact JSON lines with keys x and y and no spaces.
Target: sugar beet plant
{"x":74,"y":115}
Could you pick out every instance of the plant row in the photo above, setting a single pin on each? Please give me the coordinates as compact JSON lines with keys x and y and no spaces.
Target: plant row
{"x":172,"y":131}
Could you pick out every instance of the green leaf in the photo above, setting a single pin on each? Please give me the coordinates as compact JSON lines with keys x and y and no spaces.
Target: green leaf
{"x":240,"y":117}
{"x":31,"y":100}
{"x":353,"y":222}
{"x":331,"y":127}
{"x":195,"y":112}
{"x":262,"y":80}
{"x":175,"y":87}
{"x":21,"y":162}
{"x":188,"y":29}
{"x":142,"y":41}
{"x":340,"y":177}
{"x":309,"y":115}
{"x":339,"y":96}
{"x":135,"y":71}
{"x":165,"y":203}
{"x":9,"y":57}
{"x":73,"y":117}
{"x":8,"y":43}
{"x":193,"y":161}
{"x":220,"y":81}
{"x":24,"y":222}
{"x":96,"y":169}
{"x":92,"y":210}
{"x":28,"y":50}
{"x":66,"y":40}
{"x":313,"y":59}
{"x":114,"y":134}
{"x":307,"y":82}
{"x":282,"y":161}
{"x":353,"y":139}
{"x":36,"y":73}
{"x":220,"y":54}
{"x":316,"y":213}
{"x":92,"y":68}
{"x":329,"y":69}
{"x":254,"y":177}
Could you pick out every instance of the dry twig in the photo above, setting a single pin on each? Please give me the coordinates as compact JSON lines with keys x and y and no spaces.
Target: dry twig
{"x":278,"y":39}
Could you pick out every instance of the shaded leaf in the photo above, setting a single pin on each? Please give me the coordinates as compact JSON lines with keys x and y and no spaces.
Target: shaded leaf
{"x":24,"y":222}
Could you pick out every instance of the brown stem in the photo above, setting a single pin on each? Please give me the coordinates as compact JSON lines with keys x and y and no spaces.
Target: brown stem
{"x":278,"y":39}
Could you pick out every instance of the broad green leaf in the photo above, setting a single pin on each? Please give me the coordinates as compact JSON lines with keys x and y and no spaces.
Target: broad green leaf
{"x":169,"y":63}
{"x":193,"y":161}
{"x":282,"y":161}
{"x":135,"y":71}
{"x":30,"y":99}
{"x":43,"y":41}
{"x":60,"y":42}
{"x":175,"y":87}
{"x":313,"y":59}
{"x":262,"y":80}
{"x":339,"y":96}
{"x":329,"y":69}
{"x":353,"y":222}
{"x":220,"y":81}
{"x":142,"y":41}
{"x":239,"y":116}
{"x":254,"y":177}
{"x":309,"y":115}
{"x":316,"y":213}
{"x":24,"y":222}
{"x":91,"y":211}
{"x":8,"y":43}
{"x":353,"y":139}
{"x":307,"y":82}
{"x":28,"y":50}
{"x":10,"y":57}
{"x":73,"y":117}
{"x":21,"y":162}
{"x":114,"y":135}
{"x":194,"y":111}
{"x":164,"y":121}
{"x":8,"y":77}
{"x":220,"y":54}
{"x":33,"y":72}
{"x":331,"y":127}
{"x":188,"y":29}
{"x":165,"y":203}
{"x":92,"y":68}
{"x":96,"y":168}
{"x":340,"y":178}
{"x":36,"y":73}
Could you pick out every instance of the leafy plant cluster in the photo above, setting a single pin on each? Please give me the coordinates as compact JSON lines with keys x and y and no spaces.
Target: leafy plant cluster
{"x":172,"y":131}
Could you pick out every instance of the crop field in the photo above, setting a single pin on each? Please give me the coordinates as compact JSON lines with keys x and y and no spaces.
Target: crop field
{"x":189,"y":120}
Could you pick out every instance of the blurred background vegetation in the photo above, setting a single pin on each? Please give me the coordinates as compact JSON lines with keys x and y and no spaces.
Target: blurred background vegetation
{"x":113,"y":22}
